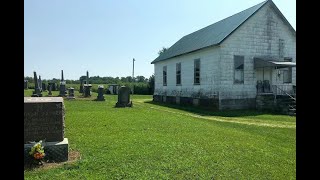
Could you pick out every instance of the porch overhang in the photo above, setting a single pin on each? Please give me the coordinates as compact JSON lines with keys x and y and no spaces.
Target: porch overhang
{"x":261,"y":62}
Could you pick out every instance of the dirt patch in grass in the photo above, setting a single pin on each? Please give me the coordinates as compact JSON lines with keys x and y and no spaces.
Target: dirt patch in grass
{"x":73,"y":157}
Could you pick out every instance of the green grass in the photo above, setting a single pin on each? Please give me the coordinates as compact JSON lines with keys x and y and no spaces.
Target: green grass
{"x":153,"y":141}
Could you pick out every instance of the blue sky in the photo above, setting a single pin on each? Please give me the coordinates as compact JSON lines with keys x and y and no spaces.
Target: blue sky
{"x":103,"y":36}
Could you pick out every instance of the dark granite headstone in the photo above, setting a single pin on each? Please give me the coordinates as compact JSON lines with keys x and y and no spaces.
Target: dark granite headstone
{"x":37,"y":90}
{"x":43,"y":119}
{"x":62,"y":88}
{"x":40,"y":83}
{"x":124,"y":97}
{"x":87,"y":90}
{"x":100,"y":96}
{"x":87,"y":87}
{"x":44,"y":87}
{"x":81,"y":86}
{"x":71,"y":93}
{"x":49,"y":89}
{"x":25,"y":84}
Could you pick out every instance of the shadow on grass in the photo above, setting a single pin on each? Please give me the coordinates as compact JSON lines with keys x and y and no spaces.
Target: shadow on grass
{"x":202,"y":111}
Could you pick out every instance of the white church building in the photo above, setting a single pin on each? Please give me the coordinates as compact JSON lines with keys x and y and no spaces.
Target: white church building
{"x":232,"y":63}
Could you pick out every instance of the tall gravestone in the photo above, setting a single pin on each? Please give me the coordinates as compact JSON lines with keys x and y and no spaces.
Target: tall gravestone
{"x":124,"y":97}
{"x":81,"y":86}
{"x":87,"y":87}
{"x":40,"y":83}
{"x":25,"y":84}
{"x":100,"y":96}
{"x":37,"y":91}
{"x":44,"y":87}
{"x":62,"y":88}
{"x":44,"y":119}
{"x":49,"y":89}
{"x":71,"y":93}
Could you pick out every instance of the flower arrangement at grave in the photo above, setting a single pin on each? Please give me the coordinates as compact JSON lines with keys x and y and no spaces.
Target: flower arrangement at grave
{"x":37,"y":152}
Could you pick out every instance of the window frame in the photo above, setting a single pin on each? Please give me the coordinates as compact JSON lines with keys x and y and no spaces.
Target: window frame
{"x":178,"y":73}
{"x":195,"y":77}
{"x":236,"y":81}
{"x":164,"y":75}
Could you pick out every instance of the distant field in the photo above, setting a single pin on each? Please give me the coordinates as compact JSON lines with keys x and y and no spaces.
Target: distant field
{"x":154,"y":141}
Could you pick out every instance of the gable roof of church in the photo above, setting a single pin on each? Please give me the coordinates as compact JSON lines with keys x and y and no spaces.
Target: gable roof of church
{"x":214,"y":34}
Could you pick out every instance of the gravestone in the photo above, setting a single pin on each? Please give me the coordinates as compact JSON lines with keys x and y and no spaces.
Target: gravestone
{"x":71,"y":93}
{"x":49,"y":89}
{"x":40,"y":83}
{"x":81,"y":86}
{"x":113,"y":88}
{"x":62,"y":88}
{"x":53,"y":86}
{"x":37,"y":91}
{"x":44,"y":87}
{"x":100,"y":96}
{"x":87,"y":90}
{"x":124,"y":97}
{"x":44,"y":119}
{"x":25,"y":84}
{"x":87,"y":87}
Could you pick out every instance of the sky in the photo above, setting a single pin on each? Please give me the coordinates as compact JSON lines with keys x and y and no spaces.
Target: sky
{"x":103,"y":36}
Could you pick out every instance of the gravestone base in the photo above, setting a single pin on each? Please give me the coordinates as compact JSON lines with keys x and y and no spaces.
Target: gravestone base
{"x":55,"y":151}
{"x":63,"y":91}
{"x":70,"y":97}
{"x":100,"y":98}
{"x":87,"y":92}
{"x":36,"y":95}
{"x":124,"y":105}
{"x":124,"y":97}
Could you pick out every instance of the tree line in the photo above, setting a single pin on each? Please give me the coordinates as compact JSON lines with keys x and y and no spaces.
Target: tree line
{"x":141,"y":84}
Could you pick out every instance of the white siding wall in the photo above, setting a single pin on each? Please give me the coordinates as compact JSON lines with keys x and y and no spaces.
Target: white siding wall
{"x":209,"y":72}
{"x":258,"y":36}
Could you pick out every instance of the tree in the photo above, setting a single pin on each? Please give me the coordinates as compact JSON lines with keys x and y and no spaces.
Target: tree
{"x":82,"y":78}
{"x":140,"y":79}
{"x":162,"y":50}
{"x":151,"y":84}
{"x":30,"y":79}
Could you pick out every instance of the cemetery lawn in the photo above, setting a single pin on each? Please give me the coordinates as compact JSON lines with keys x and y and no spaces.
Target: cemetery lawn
{"x":154,"y":141}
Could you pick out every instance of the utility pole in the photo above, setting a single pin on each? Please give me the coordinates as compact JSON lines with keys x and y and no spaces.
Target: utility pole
{"x":133,"y":75}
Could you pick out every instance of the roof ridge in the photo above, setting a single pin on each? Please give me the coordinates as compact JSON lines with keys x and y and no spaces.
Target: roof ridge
{"x":230,"y":16}
{"x":210,"y":35}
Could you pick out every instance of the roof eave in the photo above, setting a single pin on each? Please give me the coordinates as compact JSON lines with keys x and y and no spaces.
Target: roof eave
{"x":213,"y":45}
{"x":283,"y":17}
